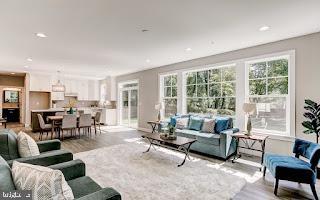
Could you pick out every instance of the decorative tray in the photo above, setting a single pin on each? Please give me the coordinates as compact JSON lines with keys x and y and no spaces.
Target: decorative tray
{"x":170,"y":137}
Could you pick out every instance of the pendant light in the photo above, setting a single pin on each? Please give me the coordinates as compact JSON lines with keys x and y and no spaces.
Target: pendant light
{"x":59,"y":87}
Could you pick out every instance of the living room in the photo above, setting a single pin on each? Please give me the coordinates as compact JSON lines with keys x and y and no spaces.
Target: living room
{"x":160,"y":99}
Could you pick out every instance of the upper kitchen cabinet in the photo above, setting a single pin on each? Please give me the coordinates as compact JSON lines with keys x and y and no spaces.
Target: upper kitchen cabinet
{"x":40,"y":82}
{"x":70,"y":86}
{"x":94,"y":92}
{"x":83,"y":93}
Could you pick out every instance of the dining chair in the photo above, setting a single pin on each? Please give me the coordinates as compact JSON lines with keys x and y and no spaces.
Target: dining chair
{"x":69,"y":122}
{"x":43,"y":126}
{"x":58,"y":123}
{"x":80,"y":112}
{"x":97,"y":119}
{"x":85,"y":123}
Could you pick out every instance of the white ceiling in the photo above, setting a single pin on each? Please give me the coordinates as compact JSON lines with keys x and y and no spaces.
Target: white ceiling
{"x":103,"y":37}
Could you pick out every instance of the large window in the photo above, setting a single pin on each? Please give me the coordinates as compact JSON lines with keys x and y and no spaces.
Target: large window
{"x":211,"y":91}
{"x":169,"y":96}
{"x":221,"y":90}
{"x":267,"y":86}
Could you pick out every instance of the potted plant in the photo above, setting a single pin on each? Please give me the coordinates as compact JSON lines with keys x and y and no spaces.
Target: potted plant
{"x":312,"y":124}
{"x":72,"y":103}
{"x":171,"y":130}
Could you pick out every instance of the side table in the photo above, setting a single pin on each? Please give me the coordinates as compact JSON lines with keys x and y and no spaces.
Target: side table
{"x":154,"y":125}
{"x":249,"y":145}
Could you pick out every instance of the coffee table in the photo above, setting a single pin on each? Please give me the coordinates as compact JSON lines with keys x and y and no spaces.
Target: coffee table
{"x":181,"y":144}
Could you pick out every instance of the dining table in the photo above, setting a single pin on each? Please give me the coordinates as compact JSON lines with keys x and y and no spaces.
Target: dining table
{"x":58,"y":118}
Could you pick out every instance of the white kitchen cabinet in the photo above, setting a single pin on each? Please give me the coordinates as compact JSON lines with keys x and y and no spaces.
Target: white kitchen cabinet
{"x":109,"y":117}
{"x":40,"y":82}
{"x":83,"y":90}
{"x":71,"y":86}
{"x":74,"y":86}
{"x":94,"y":92}
{"x":57,"y":96}
{"x":67,"y":85}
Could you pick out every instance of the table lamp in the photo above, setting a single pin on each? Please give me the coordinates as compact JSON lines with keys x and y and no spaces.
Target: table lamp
{"x":159,"y":107}
{"x":249,"y":109}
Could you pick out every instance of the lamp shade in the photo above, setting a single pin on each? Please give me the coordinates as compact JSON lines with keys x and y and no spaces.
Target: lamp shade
{"x":249,"y":108}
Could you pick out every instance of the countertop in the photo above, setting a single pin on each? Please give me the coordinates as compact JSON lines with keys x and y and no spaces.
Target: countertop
{"x":49,"y":110}
{"x":63,"y":109}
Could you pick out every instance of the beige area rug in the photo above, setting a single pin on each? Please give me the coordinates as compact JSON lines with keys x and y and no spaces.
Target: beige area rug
{"x":155,"y":175}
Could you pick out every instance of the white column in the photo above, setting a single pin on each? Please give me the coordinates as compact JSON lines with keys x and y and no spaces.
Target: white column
{"x":240,"y":95}
{"x":180,"y":91}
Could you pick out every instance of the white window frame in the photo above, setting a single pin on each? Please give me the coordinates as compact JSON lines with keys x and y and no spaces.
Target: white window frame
{"x":161,"y":90}
{"x":290,"y":113}
{"x":207,"y":68}
{"x":241,"y":85}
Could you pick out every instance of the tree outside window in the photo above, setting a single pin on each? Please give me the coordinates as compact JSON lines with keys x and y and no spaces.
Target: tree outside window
{"x":268,"y":88}
{"x":170,"y":95}
{"x":212,"y":91}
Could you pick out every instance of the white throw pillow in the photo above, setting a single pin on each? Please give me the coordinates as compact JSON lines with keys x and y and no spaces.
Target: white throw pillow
{"x":208,"y":126}
{"x":44,"y":182}
{"x":182,"y":123}
{"x":27,"y":146}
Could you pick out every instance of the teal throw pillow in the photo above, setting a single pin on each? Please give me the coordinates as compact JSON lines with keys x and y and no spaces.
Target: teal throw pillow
{"x":195,"y":123}
{"x":222,"y":123}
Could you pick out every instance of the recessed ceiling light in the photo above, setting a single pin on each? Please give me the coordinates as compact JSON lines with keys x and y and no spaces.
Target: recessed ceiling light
{"x":188,"y":49}
{"x":212,"y":42}
{"x":148,"y":60}
{"x":264,"y":28}
{"x":29,"y":59}
{"x":42,"y":35}
{"x":26,"y":66}
{"x":12,"y":73}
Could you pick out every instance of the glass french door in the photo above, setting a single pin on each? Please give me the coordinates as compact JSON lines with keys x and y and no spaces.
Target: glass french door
{"x":125,"y":108}
{"x":129,"y":107}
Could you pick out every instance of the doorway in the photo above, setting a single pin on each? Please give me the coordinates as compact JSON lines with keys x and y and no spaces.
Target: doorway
{"x":129,"y":98}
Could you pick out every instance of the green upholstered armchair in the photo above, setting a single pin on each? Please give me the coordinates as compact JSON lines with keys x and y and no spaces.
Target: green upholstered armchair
{"x":50,"y":151}
{"x":82,"y":186}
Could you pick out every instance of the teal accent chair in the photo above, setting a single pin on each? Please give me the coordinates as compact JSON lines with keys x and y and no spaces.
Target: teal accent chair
{"x":82,"y":186}
{"x":294,"y":169}
{"x":50,"y":150}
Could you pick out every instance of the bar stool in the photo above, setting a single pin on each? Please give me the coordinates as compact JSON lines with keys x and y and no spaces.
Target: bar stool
{"x":97,"y":119}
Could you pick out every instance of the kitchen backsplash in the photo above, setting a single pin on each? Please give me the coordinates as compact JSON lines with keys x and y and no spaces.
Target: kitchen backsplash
{"x":65,"y":102}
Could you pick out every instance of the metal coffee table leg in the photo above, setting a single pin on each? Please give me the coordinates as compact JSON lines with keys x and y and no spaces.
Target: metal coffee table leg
{"x":151,"y":144}
{"x":186,"y":152}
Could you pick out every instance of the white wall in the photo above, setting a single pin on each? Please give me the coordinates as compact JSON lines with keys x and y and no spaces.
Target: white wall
{"x":307,"y":79}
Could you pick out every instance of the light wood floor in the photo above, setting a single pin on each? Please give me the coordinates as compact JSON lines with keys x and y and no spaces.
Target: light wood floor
{"x":259,"y":189}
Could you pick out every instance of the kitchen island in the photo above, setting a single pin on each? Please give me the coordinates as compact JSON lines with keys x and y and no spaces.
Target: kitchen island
{"x":44,"y":112}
